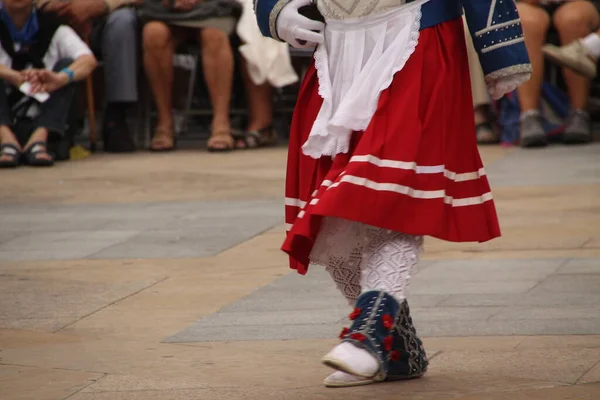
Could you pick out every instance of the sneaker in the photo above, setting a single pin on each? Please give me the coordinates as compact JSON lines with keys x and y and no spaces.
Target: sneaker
{"x":579,"y":128}
{"x":532,"y":131}
{"x":574,"y":56}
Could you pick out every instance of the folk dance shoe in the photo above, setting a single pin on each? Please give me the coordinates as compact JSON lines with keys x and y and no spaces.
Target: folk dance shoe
{"x":381,"y":345}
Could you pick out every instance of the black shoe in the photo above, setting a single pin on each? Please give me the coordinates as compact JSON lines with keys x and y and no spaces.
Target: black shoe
{"x":116,"y":136}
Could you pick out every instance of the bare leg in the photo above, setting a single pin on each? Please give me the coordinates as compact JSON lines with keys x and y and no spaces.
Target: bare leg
{"x":575,"y":20}
{"x":217,"y":62}
{"x":535,"y":23}
{"x":260,"y":101}
{"x":260,"y":105}
{"x":159,"y":45}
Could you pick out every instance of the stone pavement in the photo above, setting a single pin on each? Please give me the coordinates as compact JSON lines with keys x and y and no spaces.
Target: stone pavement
{"x":158,"y":276}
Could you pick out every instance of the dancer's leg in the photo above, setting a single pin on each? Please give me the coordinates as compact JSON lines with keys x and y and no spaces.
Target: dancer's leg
{"x":363,"y":259}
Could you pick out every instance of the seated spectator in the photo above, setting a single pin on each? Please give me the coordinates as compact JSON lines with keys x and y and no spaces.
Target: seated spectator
{"x":114,"y":39}
{"x":49,"y":57}
{"x":167,"y":27}
{"x":573,"y":20}
{"x":581,"y":55}
{"x":484,"y":128}
{"x":266,"y":63}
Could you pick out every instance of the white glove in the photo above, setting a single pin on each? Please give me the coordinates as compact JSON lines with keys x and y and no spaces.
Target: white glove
{"x":499,"y":88}
{"x":296,"y":29}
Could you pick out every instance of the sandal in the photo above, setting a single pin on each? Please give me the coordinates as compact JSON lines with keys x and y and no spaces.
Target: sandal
{"x":256,"y":138}
{"x":220,"y":142}
{"x":163,"y":140}
{"x":11,"y":151}
{"x":32,"y":153}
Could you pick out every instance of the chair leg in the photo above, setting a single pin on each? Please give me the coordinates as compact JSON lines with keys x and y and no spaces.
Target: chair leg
{"x":190,"y":94}
{"x":91,"y":112}
{"x":147,"y":116}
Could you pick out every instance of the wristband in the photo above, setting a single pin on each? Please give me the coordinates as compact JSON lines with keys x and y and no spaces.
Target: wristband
{"x":69,"y":73}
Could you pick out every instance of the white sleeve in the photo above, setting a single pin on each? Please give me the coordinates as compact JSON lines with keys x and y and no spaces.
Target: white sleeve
{"x":69,"y":44}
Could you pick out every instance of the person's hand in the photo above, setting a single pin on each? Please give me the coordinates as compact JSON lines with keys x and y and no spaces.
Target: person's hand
{"x":502,"y":86}
{"x":43,"y":80}
{"x":296,"y":29}
{"x":16,"y":78}
{"x":82,"y":12}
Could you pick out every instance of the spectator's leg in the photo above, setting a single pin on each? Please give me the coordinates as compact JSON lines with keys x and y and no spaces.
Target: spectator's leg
{"x":10,"y":148}
{"x":481,"y":98}
{"x":535,"y":22}
{"x":119,"y":53}
{"x":575,"y":20}
{"x":159,"y":43}
{"x":52,"y":120}
{"x":260,"y":106}
{"x":217,"y":63}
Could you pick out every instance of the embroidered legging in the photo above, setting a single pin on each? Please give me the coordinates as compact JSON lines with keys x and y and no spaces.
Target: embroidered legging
{"x":360,"y":257}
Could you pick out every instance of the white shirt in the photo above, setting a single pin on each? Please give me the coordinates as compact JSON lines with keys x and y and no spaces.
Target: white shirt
{"x":65,"y":44}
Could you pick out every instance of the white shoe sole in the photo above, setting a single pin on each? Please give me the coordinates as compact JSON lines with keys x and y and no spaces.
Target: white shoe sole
{"x":339,"y":365}
{"x":342,"y":384}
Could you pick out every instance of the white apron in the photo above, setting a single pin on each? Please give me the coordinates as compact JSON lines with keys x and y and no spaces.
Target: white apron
{"x":355,"y":64}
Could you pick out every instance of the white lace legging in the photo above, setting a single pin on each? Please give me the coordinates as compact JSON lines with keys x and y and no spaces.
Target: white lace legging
{"x":360,"y":257}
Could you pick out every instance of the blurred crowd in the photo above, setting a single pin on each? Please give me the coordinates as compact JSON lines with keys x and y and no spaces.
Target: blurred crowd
{"x":48,"y":46}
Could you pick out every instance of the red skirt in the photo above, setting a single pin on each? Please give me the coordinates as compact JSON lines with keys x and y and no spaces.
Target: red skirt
{"x":416,"y":168}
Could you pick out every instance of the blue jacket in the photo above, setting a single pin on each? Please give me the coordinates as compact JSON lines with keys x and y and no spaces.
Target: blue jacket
{"x":495,"y":27}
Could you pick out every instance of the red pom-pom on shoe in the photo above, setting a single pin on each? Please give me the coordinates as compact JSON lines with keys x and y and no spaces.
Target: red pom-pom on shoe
{"x":388,"y":321}
{"x":388,"y":342}
{"x":344,"y":332}
{"x":355,"y":314}
{"x":395,"y":355}
{"x":358,"y":336}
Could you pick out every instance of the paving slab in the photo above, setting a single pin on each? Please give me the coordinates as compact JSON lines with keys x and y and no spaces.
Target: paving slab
{"x":592,"y":376}
{"x":16,"y":383}
{"x":523,"y":168}
{"x":534,"y":298}
{"x":580,"y":392}
{"x":514,"y":300}
{"x":146,"y":230}
{"x":581,"y":266}
{"x":547,"y":364}
{"x":48,"y":305}
{"x":576,"y":283}
{"x":427,"y":389}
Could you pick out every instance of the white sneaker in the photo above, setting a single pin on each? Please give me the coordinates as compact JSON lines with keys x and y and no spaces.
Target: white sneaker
{"x":348,"y":358}
{"x":341,"y":379}
{"x":574,"y":56}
